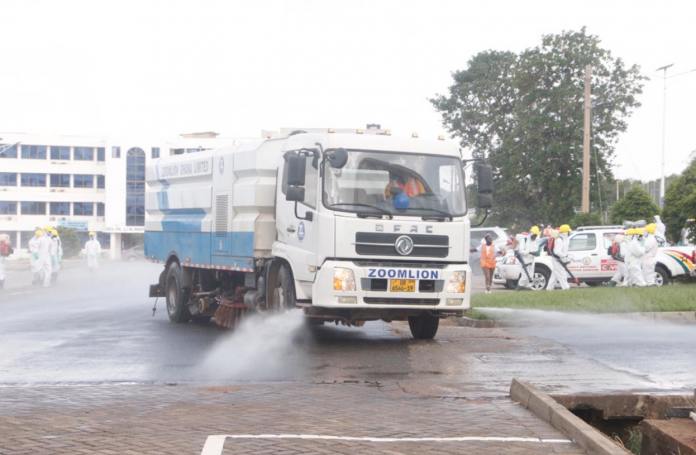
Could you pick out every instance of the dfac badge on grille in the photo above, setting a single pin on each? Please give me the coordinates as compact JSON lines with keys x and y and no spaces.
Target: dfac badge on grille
{"x":404,"y":245}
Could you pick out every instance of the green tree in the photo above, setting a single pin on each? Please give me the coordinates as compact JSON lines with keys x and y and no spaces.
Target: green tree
{"x":524,"y":113}
{"x":586,"y":219}
{"x":636,"y":205}
{"x":680,"y":203}
{"x":70,"y":241}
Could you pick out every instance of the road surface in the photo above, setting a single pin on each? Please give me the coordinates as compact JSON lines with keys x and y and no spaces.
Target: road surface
{"x":88,"y":355}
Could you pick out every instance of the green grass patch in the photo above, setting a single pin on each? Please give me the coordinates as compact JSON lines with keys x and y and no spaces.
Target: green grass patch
{"x":593,"y":300}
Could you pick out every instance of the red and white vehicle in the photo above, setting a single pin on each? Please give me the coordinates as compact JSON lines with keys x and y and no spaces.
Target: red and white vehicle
{"x":592,"y":265}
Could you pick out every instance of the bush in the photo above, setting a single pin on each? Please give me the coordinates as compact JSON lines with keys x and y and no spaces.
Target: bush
{"x":636,"y":205}
{"x":680,"y":203}
{"x":586,"y":219}
{"x":70,"y":241}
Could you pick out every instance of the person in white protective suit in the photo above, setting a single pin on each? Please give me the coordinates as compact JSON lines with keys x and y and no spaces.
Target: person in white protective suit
{"x":618,"y":253}
{"x":660,"y":228}
{"x":57,"y":255}
{"x":527,"y":249}
{"x":45,"y":260}
{"x":35,"y":267}
{"x":92,"y":252}
{"x":634,"y":266}
{"x":559,"y":255}
{"x":5,"y":251}
{"x":650,"y":256}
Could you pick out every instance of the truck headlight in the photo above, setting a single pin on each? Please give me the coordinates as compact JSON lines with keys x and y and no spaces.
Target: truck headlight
{"x":457,"y":283}
{"x":344,"y":280}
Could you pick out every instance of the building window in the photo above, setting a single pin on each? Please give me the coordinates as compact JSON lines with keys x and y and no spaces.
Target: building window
{"x":8,"y":179}
{"x":101,"y":181}
{"x":101,"y":154}
{"x":8,"y":151}
{"x":135,"y":187}
{"x":60,"y":180}
{"x":60,"y":208}
{"x":34,"y":152}
{"x":83,"y":181}
{"x":115,"y":152}
{"x":8,"y":208}
{"x":33,"y":208}
{"x":59,"y":152}
{"x":100,"y":209}
{"x":83,"y":154}
{"x":155,"y":152}
{"x":24,"y":237}
{"x":83,"y":208}
{"x":33,"y":179}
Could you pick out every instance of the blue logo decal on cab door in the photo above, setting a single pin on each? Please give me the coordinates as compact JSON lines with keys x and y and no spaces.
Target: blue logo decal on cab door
{"x":300,"y":231}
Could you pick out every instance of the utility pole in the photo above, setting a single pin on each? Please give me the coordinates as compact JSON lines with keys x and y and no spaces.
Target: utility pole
{"x":664,"y":130}
{"x":586,"y":142}
{"x":617,"y":191}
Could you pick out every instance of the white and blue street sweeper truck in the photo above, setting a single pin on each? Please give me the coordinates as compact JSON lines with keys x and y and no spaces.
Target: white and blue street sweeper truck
{"x":347,"y":227}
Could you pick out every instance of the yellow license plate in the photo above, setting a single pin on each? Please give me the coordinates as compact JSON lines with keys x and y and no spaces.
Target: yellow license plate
{"x":402,"y":285}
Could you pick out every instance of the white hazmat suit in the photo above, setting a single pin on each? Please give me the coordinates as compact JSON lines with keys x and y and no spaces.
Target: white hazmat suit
{"x":558,"y":272}
{"x":93,"y":251}
{"x":45,"y":258}
{"x":634,"y":265}
{"x":620,"y":274}
{"x":35,"y":265}
{"x":527,"y":249}
{"x":649,"y":260}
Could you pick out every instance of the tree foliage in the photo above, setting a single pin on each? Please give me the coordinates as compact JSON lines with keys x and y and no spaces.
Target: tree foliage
{"x":636,"y":205}
{"x":680,"y":203}
{"x":524,"y":114}
{"x":586,"y":219}
{"x":70,"y":241}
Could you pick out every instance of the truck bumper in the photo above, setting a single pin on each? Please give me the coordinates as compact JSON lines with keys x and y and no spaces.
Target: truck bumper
{"x":374,"y":287}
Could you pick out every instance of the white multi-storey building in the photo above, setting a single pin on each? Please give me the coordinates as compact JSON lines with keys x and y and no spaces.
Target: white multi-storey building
{"x":86,"y":183}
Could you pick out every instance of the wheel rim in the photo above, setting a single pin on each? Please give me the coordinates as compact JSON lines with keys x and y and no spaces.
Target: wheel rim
{"x":658,"y":279}
{"x":171,"y":296}
{"x":539,"y":281}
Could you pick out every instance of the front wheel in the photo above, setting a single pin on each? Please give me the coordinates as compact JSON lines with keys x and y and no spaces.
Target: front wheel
{"x":284,"y":294}
{"x":541,"y":279}
{"x":661,"y":276}
{"x":423,"y":326}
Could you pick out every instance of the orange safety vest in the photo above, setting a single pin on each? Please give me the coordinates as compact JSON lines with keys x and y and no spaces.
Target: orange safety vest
{"x":411,"y":188}
{"x":488,"y":256}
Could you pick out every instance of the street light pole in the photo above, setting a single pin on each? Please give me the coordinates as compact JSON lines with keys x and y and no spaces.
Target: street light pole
{"x":664,"y":129}
{"x":586,"y":142}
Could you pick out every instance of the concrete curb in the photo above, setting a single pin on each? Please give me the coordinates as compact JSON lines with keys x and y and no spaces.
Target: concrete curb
{"x":673,"y":317}
{"x":548,"y":410}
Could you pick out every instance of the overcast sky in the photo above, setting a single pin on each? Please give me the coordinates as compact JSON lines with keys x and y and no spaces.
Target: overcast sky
{"x":160,"y":68}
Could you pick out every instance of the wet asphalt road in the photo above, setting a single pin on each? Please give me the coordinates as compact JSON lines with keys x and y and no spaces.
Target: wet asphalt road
{"x":99,"y":328}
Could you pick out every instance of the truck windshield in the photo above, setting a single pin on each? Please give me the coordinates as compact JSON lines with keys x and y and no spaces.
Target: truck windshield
{"x":400,"y":183}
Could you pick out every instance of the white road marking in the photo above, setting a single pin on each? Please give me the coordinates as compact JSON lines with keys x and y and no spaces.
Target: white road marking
{"x":215,"y":443}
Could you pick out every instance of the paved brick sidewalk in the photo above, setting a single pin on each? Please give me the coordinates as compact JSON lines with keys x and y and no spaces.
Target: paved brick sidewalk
{"x":159,"y":419}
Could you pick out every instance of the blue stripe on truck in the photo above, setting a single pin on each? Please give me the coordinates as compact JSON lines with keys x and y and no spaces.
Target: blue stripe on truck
{"x":197,"y":247}
{"x":182,"y":220}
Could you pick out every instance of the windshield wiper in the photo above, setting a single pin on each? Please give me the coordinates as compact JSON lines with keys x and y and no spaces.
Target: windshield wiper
{"x":359,"y":204}
{"x":446,"y":215}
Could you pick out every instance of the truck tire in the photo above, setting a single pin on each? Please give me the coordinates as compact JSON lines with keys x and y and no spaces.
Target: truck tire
{"x":661,"y":276}
{"x":284,"y":296}
{"x":423,"y":326}
{"x":176,"y":296}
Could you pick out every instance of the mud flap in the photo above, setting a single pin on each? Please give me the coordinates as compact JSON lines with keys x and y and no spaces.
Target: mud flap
{"x":156,"y":290}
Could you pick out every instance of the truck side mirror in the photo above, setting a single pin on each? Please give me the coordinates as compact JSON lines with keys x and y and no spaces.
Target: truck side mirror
{"x":295,"y":194}
{"x":296,"y":170}
{"x":484,"y":174}
{"x":337,"y":158}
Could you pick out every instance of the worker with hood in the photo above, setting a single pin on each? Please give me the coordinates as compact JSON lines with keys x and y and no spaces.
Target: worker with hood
{"x":660,"y":230}
{"x":650,"y":256}
{"x":560,"y":258}
{"x":527,"y":249}
{"x":92,"y":251}
{"x":33,"y":248}
{"x":45,"y":259}
{"x":57,"y":255}
{"x":634,"y":266}
{"x":618,"y":253}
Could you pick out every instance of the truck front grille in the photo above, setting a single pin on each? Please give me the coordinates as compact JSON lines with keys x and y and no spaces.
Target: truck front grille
{"x":394,"y":301}
{"x":382,"y":244}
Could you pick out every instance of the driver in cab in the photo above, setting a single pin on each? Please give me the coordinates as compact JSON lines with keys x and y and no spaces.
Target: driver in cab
{"x":410,"y":186}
